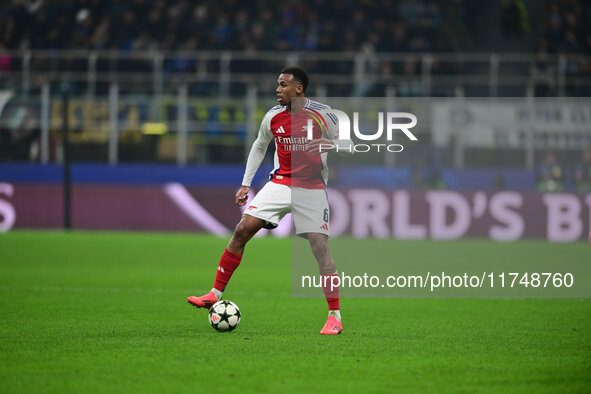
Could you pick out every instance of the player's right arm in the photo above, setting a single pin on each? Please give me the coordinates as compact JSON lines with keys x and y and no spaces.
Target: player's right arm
{"x":255,"y":158}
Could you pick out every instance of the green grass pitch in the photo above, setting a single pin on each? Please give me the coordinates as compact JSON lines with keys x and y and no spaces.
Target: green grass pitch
{"x":106,"y":312}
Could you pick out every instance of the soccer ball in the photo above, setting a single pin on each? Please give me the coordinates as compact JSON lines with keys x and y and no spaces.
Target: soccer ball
{"x":224,"y":316}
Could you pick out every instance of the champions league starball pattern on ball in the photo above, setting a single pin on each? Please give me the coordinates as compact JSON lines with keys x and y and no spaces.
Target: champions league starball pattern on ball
{"x":224,"y":316}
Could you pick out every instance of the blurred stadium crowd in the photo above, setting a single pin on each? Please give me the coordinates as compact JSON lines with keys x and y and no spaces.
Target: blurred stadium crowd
{"x":324,"y":25}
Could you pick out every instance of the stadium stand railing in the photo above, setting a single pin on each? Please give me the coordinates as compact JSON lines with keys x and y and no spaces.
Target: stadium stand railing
{"x":114,"y":94}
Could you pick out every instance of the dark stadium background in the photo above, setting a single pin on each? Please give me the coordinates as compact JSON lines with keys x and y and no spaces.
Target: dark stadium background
{"x":124,"y":131}
{"x":173,"y":91}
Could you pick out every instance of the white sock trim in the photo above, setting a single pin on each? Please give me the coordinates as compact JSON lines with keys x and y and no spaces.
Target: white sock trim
{"x":218,"y":294}
{"x":336,"y":313}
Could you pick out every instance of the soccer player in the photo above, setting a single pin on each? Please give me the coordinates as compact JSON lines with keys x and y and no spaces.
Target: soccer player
{"x":297,"y":184}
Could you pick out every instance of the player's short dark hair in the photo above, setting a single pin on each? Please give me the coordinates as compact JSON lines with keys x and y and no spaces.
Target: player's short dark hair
{"x":299,"y":74}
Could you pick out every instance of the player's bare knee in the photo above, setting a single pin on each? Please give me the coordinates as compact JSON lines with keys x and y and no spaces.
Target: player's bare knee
{"x":319,"y":246}
{"x":241,"y":235}
{"x":244,"y":231}
{"x":320,"y":250}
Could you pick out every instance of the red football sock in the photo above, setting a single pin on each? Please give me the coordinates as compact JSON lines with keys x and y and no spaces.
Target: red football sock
{"x":331,"y":293}
{"x":228,"y":264}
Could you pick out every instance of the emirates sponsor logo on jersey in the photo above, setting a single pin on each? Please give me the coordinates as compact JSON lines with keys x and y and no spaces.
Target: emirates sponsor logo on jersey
{"x":292,"y":140}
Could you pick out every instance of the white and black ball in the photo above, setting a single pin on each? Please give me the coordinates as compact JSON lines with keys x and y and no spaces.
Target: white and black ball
{"x":224,"y":316}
